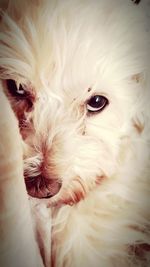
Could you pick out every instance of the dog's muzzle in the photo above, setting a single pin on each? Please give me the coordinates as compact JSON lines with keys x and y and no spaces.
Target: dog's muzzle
{"x":41,"y":187}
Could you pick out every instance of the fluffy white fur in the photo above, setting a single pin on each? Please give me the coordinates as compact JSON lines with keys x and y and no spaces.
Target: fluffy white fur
{"x":60,"y":49}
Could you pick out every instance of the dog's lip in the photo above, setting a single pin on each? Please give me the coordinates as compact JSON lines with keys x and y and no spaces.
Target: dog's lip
{"x":41,"y":187}
{"x":73,"y":191}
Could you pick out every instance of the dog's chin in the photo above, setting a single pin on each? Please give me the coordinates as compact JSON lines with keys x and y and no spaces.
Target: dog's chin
{"x":41,"y":187}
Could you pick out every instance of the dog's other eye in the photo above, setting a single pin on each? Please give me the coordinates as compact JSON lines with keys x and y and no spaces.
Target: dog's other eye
{"x":97,"y":103}
{"x":16,"y":91}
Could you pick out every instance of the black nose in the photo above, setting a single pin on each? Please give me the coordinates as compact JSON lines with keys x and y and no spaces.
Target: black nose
{"x":41,"y":187}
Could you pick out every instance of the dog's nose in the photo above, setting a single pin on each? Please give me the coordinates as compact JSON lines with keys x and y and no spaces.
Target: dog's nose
{"x":41,"y":187}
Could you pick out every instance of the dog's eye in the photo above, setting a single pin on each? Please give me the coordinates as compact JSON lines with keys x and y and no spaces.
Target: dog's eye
{"x":20,"y":95}
{"x":97,"y":103}
{"x":16,"y":91}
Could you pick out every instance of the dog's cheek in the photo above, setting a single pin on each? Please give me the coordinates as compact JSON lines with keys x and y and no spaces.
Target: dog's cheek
{"x":140,"y":117}
{"x":23,"y":110}
{"x":138,"y":125}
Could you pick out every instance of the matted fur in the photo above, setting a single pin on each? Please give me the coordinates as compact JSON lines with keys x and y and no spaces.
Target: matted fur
{"x":64,"y":52}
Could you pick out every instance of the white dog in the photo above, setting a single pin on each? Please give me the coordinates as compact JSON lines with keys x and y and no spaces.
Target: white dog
{"x":77,"y":75}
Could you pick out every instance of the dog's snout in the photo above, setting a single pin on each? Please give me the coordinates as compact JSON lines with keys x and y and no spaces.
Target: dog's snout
{"x":41,"y":187}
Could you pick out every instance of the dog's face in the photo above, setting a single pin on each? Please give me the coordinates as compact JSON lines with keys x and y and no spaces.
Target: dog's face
{"x":73,"y":71}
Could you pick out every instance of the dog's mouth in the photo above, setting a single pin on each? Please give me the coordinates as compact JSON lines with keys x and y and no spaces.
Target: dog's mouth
{"x":58,"y":193}
{"x":41,"y":187}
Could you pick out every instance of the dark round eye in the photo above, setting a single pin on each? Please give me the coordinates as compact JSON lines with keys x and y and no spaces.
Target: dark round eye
{"x":16,"y":91}
{"x":97,"y":103}
{"x":20,"y":94}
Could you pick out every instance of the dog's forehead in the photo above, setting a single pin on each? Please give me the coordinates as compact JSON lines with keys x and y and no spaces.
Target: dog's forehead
{"x":69,"y":46}
{"x":57,"y":45}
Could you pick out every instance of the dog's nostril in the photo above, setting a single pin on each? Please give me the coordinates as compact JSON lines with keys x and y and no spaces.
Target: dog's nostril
{"x":41,"y":187}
